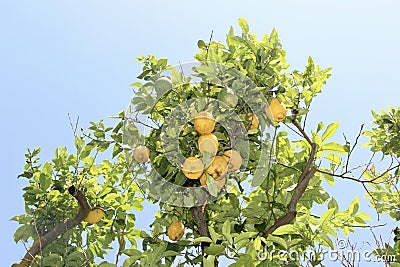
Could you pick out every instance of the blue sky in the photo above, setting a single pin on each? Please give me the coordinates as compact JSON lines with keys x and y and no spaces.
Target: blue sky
{"x":78,"y":57}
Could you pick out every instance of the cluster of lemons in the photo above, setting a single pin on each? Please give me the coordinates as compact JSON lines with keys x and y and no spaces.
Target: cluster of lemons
{"x":193,"y":168}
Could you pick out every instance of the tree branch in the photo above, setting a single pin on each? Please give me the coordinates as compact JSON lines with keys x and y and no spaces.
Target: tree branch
{"x":42,"y":241}
{"x":198,"y":215}
{"x":307,"y":173}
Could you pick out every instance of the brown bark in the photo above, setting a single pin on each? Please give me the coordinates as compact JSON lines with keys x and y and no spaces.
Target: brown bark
{"x":301,"y":187}
{"x":198,"y":215}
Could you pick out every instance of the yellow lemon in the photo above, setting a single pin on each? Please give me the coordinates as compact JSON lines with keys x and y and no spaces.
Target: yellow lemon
{"x":141,"y":154}
{"x":192,"y":168}
{"x":95,"y":215}
{"x":276,"y":111}
{"x":218,"y":167}
{"x":219,"y":182}
{"x":204,"y":123}
{"x":209,"y":143}
{"x":253,"y":121}
{"x":175,"y":231}
{"x":234,"y":160}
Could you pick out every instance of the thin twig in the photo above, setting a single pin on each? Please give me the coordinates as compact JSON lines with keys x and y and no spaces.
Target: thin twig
{"x":209,"y":44}
{"x":74,"y":128}
{"x":353,"y":147}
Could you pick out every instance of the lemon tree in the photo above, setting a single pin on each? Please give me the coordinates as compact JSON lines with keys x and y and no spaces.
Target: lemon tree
{"x":222,"y":147}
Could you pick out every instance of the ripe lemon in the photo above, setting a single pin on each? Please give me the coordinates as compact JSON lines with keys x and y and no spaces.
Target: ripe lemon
{"x":219,"y":182}
{"x":253,"y":121}
{"x":209,"y":143}
{"x":204,"y":123}
{"x":234,"y":160}
{"x":95,"y":215}
{"x":175,"y":231}
{"x":141,"y":154}
{"x":218,"y":167}
{"x":192,"y":168}
{"x":276,"y":111}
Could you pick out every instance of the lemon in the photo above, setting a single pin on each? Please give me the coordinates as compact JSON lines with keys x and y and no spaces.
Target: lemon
{"x":141,"y":154}
{"x":219,"y":182}
{"x":95,"y":215}
{"x":253,"y":121}
{"x":209,"y":143}
{"x":218,"y":167}
{"x":175,"y":231}
{"x":204,"y":123}
{"x":276,"y":111}
{"x":192,"y":168}
{"x":234,"y":160}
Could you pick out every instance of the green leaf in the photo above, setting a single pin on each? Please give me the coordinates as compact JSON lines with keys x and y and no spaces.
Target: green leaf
{"x":215,"y":249}
{"x":278,"y":240}
{"x":75,"y":256}
{"x":36,"y":152}
{"x":364,"y":216}
{"x":327,"y":215}
{"x":245,"y":235}
{"x":208,"y":261}
{"x":201,"y":44}
{"x":332,"y":204}
{"x":202,"y":239}
{"x":47,"y":168}
{"x":45,"y":181}
{"x":330,"y":130}
{"x":23,"y":233}
{"x":335,"y":159}
{"x":285,"y":229}
{"x":320,"y":126}
{"x":214,"y":236}
{"x":136,"y":84}
{"x":131,"y":252}
{"x":226,"y":231}
{"x":171,"y":253}
{"x":354,"y":206}
{"x":117,"y":149}
{"x":143,"y":74}
{"x":212,"y":186}
{"x":243,"y":25}
{"x":162,"y":63}
{"x":52,"y":260}
{"x":333,"y":147}
{"x":157,"y":254}
{"x":327,"y":241}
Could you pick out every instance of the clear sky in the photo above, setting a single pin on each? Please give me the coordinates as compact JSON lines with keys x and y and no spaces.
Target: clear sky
{"x":78,"y":57}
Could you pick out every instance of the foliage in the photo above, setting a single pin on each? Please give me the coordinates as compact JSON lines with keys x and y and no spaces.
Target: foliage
{"x":281,"y":162}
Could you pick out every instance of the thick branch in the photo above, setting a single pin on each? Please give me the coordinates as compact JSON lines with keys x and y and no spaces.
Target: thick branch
{"x":61,"y":228}
{"x":307,"y":173}
{"x":198,"y":215}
